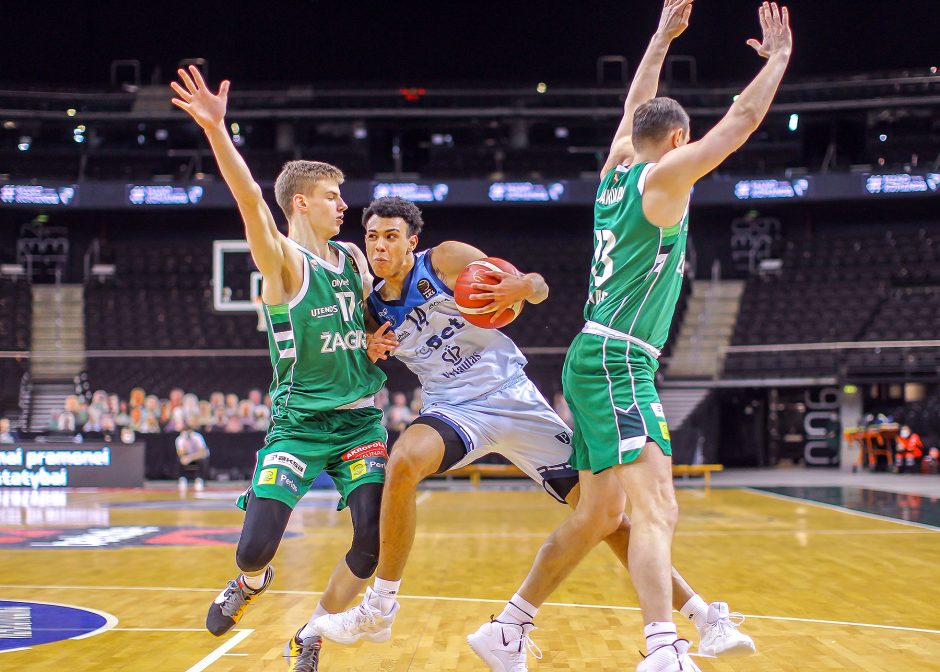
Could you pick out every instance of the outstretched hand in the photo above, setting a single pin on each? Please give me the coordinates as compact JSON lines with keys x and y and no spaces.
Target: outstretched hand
{"x":205,"y":107}
{"x":675,"y":18}
{"x":775,"y":24}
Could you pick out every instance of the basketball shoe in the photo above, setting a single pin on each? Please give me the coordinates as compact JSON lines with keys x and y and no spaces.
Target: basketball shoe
{"x":363,"y":621}
{"x":669,"y":658}
{"x":720,"y":634}
{"x":504,"y":646}
{"x":303,"y":655}
{"x":230,"y":605}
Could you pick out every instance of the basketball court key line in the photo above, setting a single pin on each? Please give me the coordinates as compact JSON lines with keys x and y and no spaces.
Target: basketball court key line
{"x":110,"y":621}
{"x":565,"y":605}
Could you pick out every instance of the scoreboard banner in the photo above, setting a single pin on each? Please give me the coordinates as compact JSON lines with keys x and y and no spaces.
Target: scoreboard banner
{"x":713,"y":190}
{"x":41,"y":466}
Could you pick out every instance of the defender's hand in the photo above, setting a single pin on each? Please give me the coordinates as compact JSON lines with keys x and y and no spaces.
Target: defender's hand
{"x":205,"y":107}
{"x":675,"y":18}
{"x":775,"y":24}
{"x":381,"y":343}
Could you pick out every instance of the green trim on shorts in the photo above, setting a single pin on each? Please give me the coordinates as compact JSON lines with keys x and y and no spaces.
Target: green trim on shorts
{"x":349,"y":445}
{"x":609,"y":385}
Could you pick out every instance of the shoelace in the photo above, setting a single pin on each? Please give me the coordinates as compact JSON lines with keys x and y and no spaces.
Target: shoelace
{"x":526,"y":645}
{"x":644,"y":656}
{"x":364,"y":613}
{"x":235,"y":600}
{"x":309,"y":656}
{"x":733,"y":621}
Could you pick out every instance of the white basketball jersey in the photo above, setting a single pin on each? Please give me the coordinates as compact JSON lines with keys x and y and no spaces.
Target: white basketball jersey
{"x":454,"y":360}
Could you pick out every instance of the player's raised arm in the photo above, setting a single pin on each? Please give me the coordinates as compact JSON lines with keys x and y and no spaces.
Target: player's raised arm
{"x":208,"y":110}
{"x":672,"y":23}
{"x":678,"y":170}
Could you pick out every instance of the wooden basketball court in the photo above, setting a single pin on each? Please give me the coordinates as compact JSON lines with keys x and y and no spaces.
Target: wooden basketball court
{"x":822,"y":588}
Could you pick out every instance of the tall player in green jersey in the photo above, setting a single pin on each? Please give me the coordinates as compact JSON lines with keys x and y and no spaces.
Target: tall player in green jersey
{"x":323,"y":412}
{"x":621,"y":441}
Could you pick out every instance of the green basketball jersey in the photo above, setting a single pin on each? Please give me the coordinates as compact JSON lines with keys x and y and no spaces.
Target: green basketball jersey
{"x":318,"y":340}
{"x":638,"y":267}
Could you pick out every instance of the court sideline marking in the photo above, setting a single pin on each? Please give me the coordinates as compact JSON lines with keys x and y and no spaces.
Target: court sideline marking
{"x":841,"y":509}
{"x":567,"y":605}
{"x":238,"y":638}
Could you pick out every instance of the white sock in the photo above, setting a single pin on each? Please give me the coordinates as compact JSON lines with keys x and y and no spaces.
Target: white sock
{"x":696,"y":609}
{"x":310,"y":629}
{"x":387,"y":592}
{"x":659,"y":634}
{"x":255,"y":582}
{"x":518,"y":610}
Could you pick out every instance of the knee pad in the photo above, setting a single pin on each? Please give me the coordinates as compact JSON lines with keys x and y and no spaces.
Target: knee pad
{"x":363,"y":555}
{"x":361,"y":562}
{"x":253,"y":556}
{"x":364,"y":505}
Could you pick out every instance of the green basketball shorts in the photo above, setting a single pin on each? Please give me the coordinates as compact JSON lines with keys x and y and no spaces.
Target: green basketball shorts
{"x":348,"y":445}
{"x":609,"y":386}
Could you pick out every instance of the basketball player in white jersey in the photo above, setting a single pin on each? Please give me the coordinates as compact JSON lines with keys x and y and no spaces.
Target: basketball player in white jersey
{"x":476,"y":400}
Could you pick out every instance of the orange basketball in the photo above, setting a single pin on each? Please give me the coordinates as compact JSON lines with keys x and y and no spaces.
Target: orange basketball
{"x":476,"y":311}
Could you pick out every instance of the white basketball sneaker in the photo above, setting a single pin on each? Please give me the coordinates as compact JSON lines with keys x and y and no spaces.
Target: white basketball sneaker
{"x":720,"y":634}
{"x":669,"y":658}
{"x":362,"y":621}
{"x":504,"y":646}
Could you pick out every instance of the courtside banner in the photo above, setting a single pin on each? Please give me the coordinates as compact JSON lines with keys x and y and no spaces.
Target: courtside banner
{"x":41,"y":466}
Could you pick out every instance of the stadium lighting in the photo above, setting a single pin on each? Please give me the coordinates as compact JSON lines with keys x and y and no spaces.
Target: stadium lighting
{"x":236,"y":129}
{"x":141,"y":139}
{"x":794,"y":122}
{"x":541,"y":87}
{"x":735,"y":97}
{"x":883,"y":137}
{"x":561,"y":132}
{"x":25,"y":142}
{"x":70,"y":112}
{"x":8,"y":125}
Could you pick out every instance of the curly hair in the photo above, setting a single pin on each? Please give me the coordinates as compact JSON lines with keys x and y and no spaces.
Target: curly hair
{"x":395,"y":206}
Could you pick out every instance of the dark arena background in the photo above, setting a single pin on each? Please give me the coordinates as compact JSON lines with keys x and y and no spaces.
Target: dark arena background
{"x":804,"y":352}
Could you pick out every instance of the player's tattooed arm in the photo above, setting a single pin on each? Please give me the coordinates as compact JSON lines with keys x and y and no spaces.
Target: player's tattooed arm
{"x":672,"y":23}
{"x":450,"y":258}
{"x":510,"y":289}
{"x":207,"y":109}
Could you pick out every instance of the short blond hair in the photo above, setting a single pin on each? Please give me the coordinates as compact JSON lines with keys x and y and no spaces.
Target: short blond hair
{"x":297,"y":176}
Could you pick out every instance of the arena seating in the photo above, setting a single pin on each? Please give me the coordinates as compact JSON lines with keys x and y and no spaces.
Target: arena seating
{"x":11,"y":377}
{"x":161,"y":298}
{"x":200,"y":375}
{"x":874,"y":287}
{"x":16,"y":308}
{"x":923,"y":417}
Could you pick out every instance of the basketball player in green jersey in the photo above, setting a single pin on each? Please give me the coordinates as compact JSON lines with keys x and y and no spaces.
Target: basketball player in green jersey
{"x":323,"y":414}
{"x":621,"y":441}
